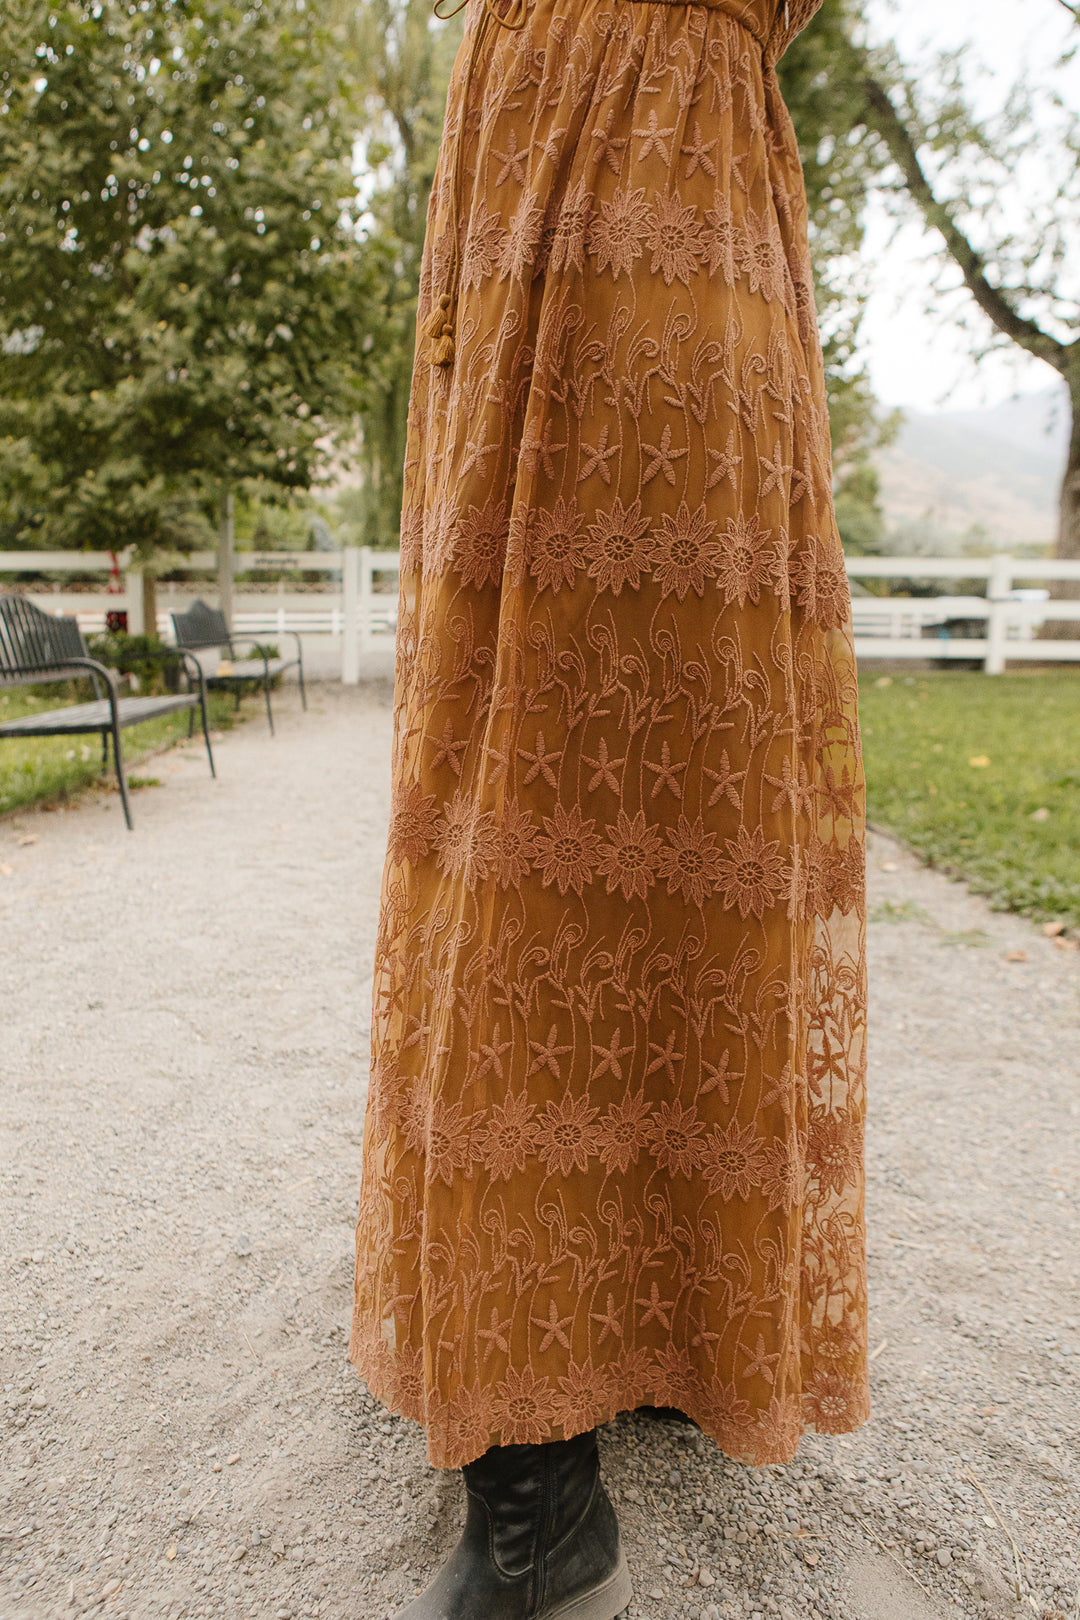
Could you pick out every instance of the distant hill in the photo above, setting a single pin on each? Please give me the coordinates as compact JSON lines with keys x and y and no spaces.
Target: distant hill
{"x":996,"y":470}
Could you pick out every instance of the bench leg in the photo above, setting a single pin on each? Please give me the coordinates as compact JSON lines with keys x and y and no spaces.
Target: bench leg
{"x":205,"y":731}
{"x":300,"y":671}
{"x":269,"y":710}
{"x":104,"y":750}
{"x":118,"y":760}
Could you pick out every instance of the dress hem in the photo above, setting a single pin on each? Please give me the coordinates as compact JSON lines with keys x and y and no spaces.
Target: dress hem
{"x":735,"y":1441}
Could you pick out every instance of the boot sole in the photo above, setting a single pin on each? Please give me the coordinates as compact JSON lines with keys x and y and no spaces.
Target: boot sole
{"x":602,"y":1603}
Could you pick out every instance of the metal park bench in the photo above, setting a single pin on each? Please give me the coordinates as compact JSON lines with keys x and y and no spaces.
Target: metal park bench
{"x":36,"y":647}
{"x":202,"y":627}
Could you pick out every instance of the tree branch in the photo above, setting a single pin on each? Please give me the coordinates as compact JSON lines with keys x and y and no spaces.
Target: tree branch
{"x":1074,"y":10}
{"x":887,"y":122}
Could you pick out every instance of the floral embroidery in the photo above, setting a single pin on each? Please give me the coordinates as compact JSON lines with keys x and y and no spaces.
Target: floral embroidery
{"x":617,"y":552}
{"x":617,"y":236}
{"x":684,"y":556}
{"x":675,"y":239}
{"x":630,"y":860}
{"x":567,"y":850}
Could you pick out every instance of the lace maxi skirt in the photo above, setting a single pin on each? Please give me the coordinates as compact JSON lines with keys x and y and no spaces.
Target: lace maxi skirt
{"x":613,"y":1147}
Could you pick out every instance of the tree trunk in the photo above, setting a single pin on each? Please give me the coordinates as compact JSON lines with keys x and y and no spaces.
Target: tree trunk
{"x":1068,"y":541}
{"x":1069,"y":534}
{"x":149,"y":602}
{"x":226,"y":557}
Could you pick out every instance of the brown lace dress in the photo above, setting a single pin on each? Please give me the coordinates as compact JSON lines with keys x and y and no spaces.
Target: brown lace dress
{"x":613,"y":1148}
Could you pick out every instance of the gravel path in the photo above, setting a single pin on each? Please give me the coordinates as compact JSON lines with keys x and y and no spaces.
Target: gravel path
{"x":182,"y":1060}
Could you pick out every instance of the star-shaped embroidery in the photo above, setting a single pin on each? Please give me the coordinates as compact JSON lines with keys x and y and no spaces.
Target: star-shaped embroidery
{"x":492,"y":1055}
{"x":725,"y":779}
{"x":605,"y":769}
{"x":667,"y":774}
{"x":476,"y":455}
{"x":724,"y":463}
{"x":654,"y":138}
{"x":698,"y":153}
{"x":655,"y":1306}
{"x":448,"y":749}
{"x":608,"y":1320}
{"x":667,"y":1058}
{"x":513,"y":162}
{"x":542,"y":762}
{"x":610,"y":147}
{"x":538,"y":450}
{"x":598,"y":458}
{"x":611,"y":1055}
{"x":548,"y":1054}
{"x":663,"y":456}
{"x":554,"y":1324}
{"x":717,"y":1076}
{"x":778,"y":470}
{"x":496,"y":1334}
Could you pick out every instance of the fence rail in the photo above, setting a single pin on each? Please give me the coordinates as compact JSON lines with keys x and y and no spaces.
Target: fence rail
{"x":350,"y":609}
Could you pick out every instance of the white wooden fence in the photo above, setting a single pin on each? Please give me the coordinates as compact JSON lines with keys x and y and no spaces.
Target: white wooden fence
{"x":349,"y":608}
{"x":1010,"y":615}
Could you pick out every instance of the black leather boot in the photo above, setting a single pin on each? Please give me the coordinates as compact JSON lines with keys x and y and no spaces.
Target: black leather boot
{"x":541,"y":1540}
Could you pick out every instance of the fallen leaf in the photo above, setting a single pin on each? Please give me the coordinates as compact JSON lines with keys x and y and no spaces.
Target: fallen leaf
{"x":889,"y":866}
{"x":811,"y":1558}
{"x":980,"y":761}
{"x":26,"y":840}
{"x":1053,"y":929}
{"x":171,"y":1552}
{"x":1016,"y":956}
{"x":1041,"y":814}
{"x":1064,"y":944}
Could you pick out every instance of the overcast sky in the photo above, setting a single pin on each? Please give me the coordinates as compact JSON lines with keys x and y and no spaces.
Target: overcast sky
{"x":915,"y":359}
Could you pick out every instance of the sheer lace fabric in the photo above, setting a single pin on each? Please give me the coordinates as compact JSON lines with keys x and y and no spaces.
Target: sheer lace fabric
{"x":613,"y":1147}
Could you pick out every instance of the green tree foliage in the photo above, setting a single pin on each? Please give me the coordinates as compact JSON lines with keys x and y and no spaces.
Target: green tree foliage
{"x":841,"y":165}
{"x":182,"y":300}
{"x":405,"y":58}
{"x":1001,"y":195}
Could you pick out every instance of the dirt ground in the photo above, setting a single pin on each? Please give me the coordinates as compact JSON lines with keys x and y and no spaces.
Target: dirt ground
{"x":182,"y":1062}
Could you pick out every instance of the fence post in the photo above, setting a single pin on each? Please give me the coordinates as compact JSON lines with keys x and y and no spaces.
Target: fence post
{"x":998,"y":587}
{"x":133,"y":602}
{"x":365,"y":598}
{"x":350,"y":624}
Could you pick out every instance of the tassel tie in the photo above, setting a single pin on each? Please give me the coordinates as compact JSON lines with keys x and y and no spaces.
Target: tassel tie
{"x":439,"y":326}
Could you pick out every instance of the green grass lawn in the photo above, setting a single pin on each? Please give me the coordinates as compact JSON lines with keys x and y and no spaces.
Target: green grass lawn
{"x":43,"y":769}
{"x":981,"y":774}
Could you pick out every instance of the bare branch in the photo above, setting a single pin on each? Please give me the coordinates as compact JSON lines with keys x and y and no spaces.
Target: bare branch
{"x":883,"y":117}
{"x":1074,"y":10}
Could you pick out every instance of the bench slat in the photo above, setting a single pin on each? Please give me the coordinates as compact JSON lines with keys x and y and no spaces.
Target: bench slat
{"x":78,"y":718}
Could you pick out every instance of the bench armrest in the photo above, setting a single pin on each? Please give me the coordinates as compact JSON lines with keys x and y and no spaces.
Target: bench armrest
{"x":187,"y":657}
{"x":260,"y":641}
